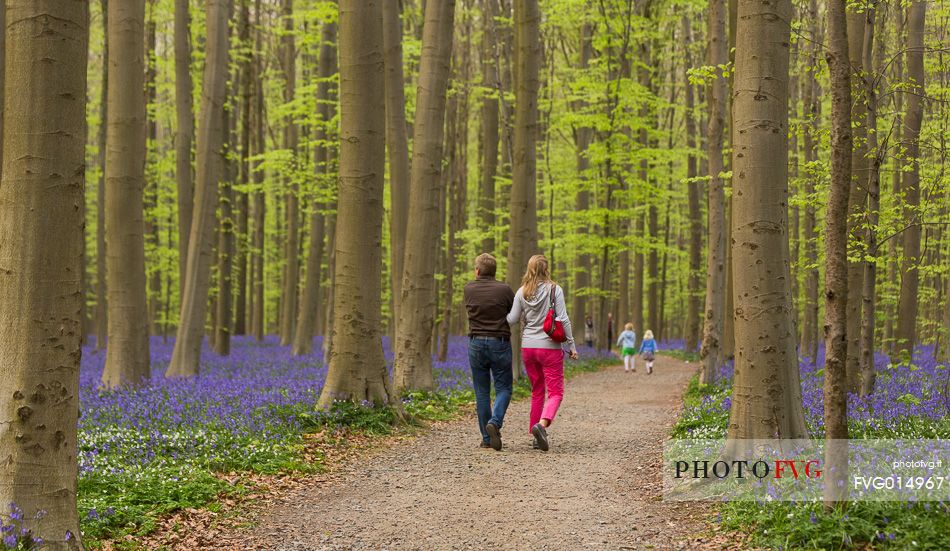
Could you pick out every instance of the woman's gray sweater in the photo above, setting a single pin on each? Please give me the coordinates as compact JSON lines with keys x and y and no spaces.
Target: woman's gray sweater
{"x":532,"y":313}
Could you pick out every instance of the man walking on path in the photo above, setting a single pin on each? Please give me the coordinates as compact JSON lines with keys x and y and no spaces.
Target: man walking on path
{"x":488,"y":302}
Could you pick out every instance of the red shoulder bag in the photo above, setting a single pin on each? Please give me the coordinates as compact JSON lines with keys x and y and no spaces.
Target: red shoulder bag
{"x":552,"y":326}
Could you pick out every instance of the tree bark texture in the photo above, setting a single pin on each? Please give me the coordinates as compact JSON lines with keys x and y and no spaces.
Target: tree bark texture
{"x":836,"y":252}
{"x":412,"y":368}
{"x":357,"y":367}
{"x":767,"y":398}
{"x":310,"y":303}
{"x":716,"y":256}
{"x":41,"y":254}
{"x":906,"y":333}
{"x":186,"y":356}
{"x":184,"y":136}
{"x":127,"y":356}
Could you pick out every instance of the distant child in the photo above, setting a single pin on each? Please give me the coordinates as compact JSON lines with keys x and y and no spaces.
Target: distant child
{"x":648,"y":350}
{"x":627,"y":341}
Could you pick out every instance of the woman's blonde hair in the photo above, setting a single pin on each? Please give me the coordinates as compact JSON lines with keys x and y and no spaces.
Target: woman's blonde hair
{"x":628,"y":327}
{"x":538,"y":272}
{"x":648,"y":334}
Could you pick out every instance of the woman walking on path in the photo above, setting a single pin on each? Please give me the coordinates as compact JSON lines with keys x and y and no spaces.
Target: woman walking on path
{"x":648,"y":349}
{"x":543,"y":357}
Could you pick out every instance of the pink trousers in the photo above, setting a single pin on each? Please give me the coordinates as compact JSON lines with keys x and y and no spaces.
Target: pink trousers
{"x":545,"y":368}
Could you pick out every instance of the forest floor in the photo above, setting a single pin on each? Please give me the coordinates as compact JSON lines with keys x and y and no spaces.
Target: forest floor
{"x":598,"y":487}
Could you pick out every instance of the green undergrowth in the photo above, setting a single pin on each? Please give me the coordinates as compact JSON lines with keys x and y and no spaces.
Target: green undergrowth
{"x":125,"y":502}
{"x":802,"y":526}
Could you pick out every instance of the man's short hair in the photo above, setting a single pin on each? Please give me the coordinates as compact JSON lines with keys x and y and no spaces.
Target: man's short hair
{"x":486,"y":264}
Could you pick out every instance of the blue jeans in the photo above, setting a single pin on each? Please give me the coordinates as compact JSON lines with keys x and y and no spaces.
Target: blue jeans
{"x":490,"y":359}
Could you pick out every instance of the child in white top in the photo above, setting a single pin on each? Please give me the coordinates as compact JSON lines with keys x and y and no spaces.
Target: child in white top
{"x":627,"y":341}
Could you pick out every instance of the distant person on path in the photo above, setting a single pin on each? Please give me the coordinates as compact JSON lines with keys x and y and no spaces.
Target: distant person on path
{"x":648,"y":349}
{"x":589,"y":331}
{"x":627,"y":341}
{"x":488,"y":302}
{"x":543,"y":357}
{"x":610,"y":328}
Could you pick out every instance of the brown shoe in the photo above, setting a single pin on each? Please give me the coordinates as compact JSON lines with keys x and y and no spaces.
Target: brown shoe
{"x":494,"y":435}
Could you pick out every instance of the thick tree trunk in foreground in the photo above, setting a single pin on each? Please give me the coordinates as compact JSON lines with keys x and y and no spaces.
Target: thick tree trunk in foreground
{"x":288,"y":300}
{"x":397,"y":144}
{"x":41,"y":252}
{"x":184,"y":136}
{"x":716,"y":256}
{"x":412,"y":369}
{"x":194,"y":302}
{"x":767,"y":398}
{"x":836,"y":254}
{"x":127,"y":356}
{"x":906,"y":334}
{"x":310,"y":302}
{"x":357,"y":366}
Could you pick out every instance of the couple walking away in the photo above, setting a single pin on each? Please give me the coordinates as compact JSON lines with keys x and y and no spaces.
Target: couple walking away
{"x":492,"y":308}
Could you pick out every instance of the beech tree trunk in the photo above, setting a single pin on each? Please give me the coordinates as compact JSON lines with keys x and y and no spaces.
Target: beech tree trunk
{"x":489,"y":126}
{"x":718,"y":55}
{"x":186,"y":356}
{"x":242,"y":197}
{"x":523,"y":234}
{"x":127,"y":356}
{"x":412,"y":368}
{"x":259,"y":204}
{"x":291,"y":279}
{"x":857,"y":196}
{"x":225,"y":243}
{"x":766,"y":398}
{"x":185,"y":119}
{"x":41,"y":251}
{"x":873,"y":186}
{"x":583,"y":136}
{"x":357,"y":367}
{"x":310,"y":303}
{"x":812,"y":108}
{"x":102,"y":301}
{"x":893,"y":251}
{"x":836,"y":255}
{"x":694,"y":192}
{"x":906,"y":334}
{"x":397,"y":143}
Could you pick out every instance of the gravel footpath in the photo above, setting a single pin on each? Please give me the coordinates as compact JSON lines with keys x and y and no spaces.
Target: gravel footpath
{"x":598,"y":488}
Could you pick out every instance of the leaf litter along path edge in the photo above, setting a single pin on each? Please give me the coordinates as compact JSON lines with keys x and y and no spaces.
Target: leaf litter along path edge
{"x":598,"y":487}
